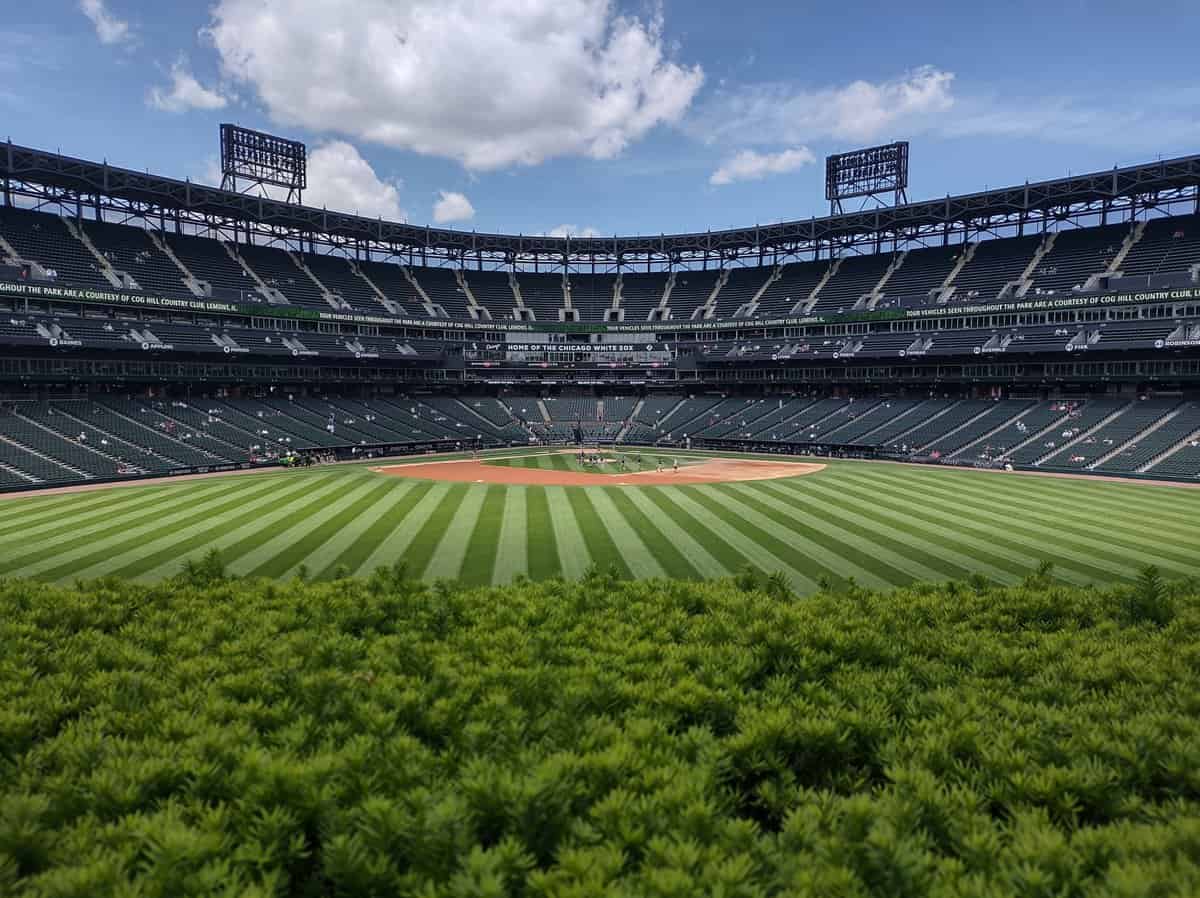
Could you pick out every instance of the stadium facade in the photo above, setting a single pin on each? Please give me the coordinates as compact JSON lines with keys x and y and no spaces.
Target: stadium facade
{"x":152,"y":326}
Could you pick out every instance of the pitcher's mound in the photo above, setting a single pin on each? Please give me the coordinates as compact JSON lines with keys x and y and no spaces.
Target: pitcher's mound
{"x":714,"y":470}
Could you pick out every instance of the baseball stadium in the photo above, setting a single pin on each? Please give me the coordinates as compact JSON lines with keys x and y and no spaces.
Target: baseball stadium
{"x":849,"y":555}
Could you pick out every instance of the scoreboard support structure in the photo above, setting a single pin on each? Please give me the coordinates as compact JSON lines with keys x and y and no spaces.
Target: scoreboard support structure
{"x":869,"y":174}
{"x":253,"y":159}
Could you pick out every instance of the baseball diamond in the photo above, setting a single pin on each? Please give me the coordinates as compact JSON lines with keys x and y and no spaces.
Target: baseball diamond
{"x":880,"y":524}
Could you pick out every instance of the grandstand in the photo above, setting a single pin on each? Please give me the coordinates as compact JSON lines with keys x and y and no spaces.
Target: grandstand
{"x":948,"y":332}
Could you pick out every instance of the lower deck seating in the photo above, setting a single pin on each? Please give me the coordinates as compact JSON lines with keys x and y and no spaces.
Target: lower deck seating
{"x":1081,"y":416}
{"x":1151,"y":443}
{"x":1109,"y":438}
{"x":72,"y":440}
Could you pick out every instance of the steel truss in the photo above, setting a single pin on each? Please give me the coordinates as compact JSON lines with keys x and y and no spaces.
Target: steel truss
{"x":90,"y":189}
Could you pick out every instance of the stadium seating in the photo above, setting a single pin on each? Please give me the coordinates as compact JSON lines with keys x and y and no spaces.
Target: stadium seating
{"x":1167,"y":431}
{"x":855,"y":277}
{"x":739,"y":290}
{"x":592,"y":295}
{"x":649,"y":417}
{"x":994,"y":264}
{"x":691,"y":291}
{"x":276,"y":268}
{"x":442,"y":287}
{"x":1081,"y":418}
{"x":988,"y":447}
{"x":51,"y":457}
{"x":796,"y":281}
{"x":543,"y":293}
{"x":493,"y":291}
{"x":130,"y":250}
{"x":855,"y":418}
{"x":390,"y":279}
{"x":43,"y":238}
{"x":922,"y":271}
{"x":1166,"y":245}
{"x":640,"y":294}
{"x":1109,"y":438}
{"x":999,"y":414}
{"x":1076,"y":256}
{"x":208,"y":261}
{"x":1182,"y":462}
{"x":339,"y":278}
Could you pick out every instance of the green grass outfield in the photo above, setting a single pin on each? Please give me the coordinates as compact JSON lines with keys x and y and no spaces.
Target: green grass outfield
{"x":881,"y":524}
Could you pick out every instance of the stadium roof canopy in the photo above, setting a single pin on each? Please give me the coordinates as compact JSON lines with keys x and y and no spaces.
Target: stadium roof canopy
{"x":52,"y":178}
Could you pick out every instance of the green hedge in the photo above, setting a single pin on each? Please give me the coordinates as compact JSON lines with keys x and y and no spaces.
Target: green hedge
{"x":382,"y":737}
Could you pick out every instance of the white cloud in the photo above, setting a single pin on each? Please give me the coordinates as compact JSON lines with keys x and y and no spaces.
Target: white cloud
{"x":184,"y":93}
{"x":858,"y":111}
{"x":570,"y":230}
{"x":750,"y":165}
{"x":109,"y":28}
{"x":491,"y":83}
{"x":340,"y":178}
{"x":452,"y":207}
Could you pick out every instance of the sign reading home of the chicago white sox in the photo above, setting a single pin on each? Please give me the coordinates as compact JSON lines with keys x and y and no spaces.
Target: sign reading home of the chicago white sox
{"x":52,"y":291}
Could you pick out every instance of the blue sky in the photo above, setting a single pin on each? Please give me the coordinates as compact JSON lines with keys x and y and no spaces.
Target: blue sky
{"x":536,"y":116}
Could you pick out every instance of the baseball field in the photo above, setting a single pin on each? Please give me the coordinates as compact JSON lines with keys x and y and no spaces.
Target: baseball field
{"x":547,"y":514}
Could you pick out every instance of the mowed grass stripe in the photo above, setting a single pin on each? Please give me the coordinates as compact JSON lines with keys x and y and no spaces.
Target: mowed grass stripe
{"x":850,"y":536}
{"x":284,"y":532}
{"x":601,"y":546}
{"x":265,"y":526}
{"x":1007,"y":551}
{"x":1175,"y":506}
{"x":1111,"y":527}
{"x":451,"y":556}
{"x":634,"y":552}
{"x":706,"y":531}
{"x":479,"y":561}
{"x":809,"y":565}
{"x":1095,"y":543}
{"x":1166,"y":507}
{"x":937,"y":555}
{"x":45,"y":502}
{"x":678,"y":538}
{"x":573,"y":554}
{"x":195,"y":539}
{"x":72,"y":553}
{"x":395,"y":541}
{"x":434,"y":530}
{"x":867,"y":512}
{"x":858,"y":553}
{"x":512,"y":550}
{"x":912,"y":507}
{"x":1077,"y":499}
{"x":250,"y":528}
{"x":18,"y":517}
{"x":559,"y":462}
{"x":67,"y":520}
{"x":666,"y":554}
{"x":77,"y":535}
{"x":321,"y":528}
{"x":354,"y":545}
{"x":322,"y":561}
{"x":541,"y":542}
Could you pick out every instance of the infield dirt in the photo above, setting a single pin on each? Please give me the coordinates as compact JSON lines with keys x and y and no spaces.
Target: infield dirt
{"x":717,"y":470}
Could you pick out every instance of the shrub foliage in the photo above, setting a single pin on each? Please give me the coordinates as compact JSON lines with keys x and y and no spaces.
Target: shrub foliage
{"x":219,"y":737}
